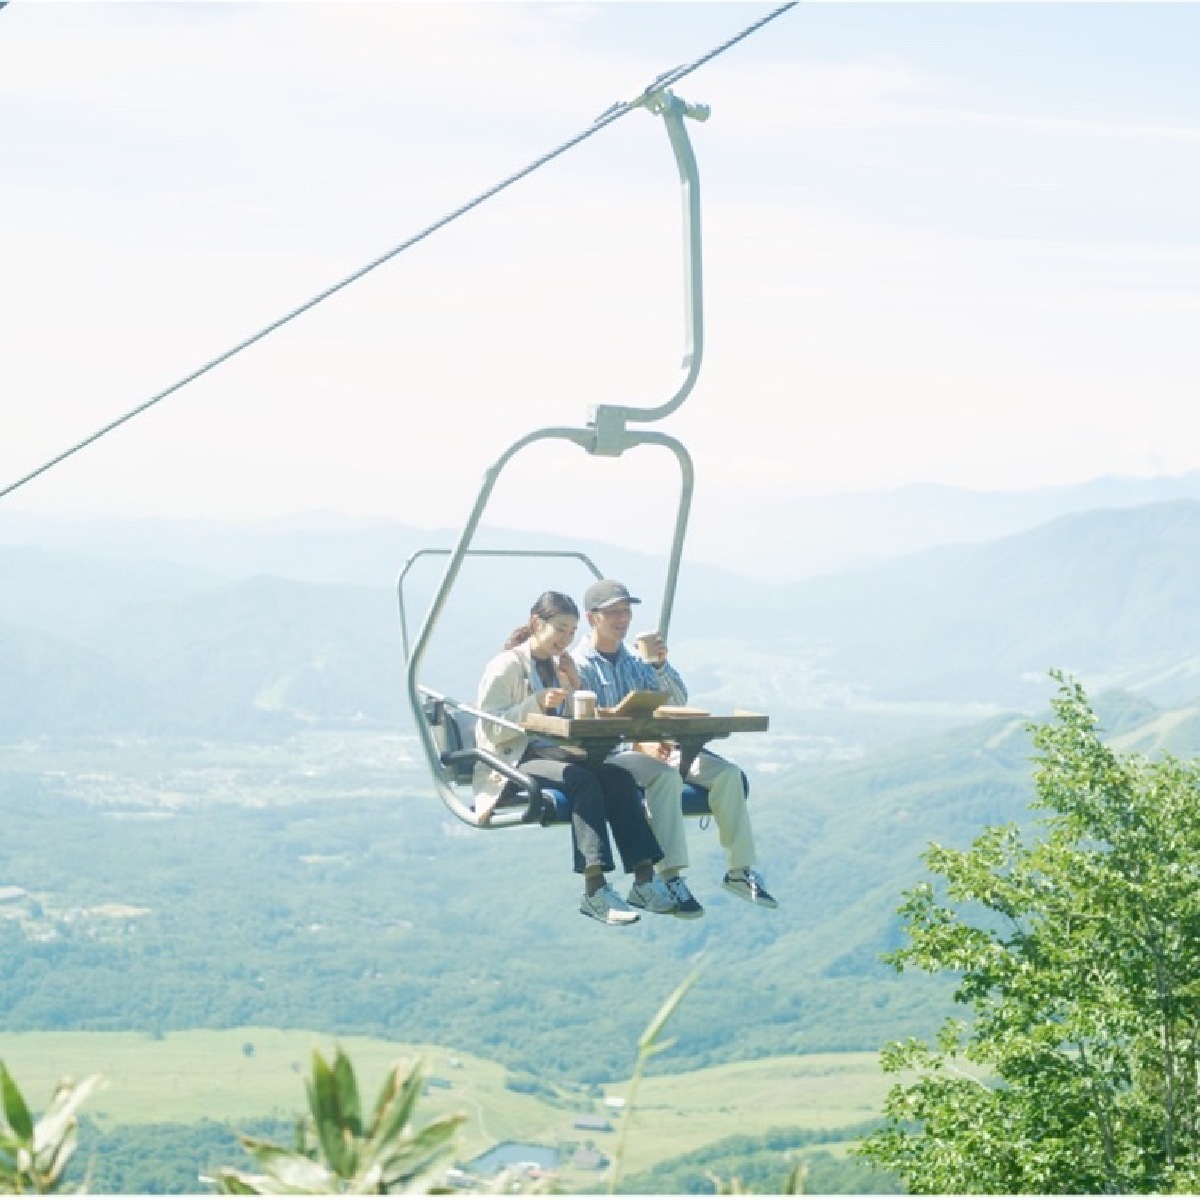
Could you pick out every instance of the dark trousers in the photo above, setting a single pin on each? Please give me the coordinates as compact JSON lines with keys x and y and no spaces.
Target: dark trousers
{"x":601,"y":798}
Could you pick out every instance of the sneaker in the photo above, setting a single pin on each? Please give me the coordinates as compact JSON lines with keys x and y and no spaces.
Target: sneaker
{"x":605,"y":905}
{"x":652,"y":896}
{"x":749,"y":885}
{"x":686,"y":905}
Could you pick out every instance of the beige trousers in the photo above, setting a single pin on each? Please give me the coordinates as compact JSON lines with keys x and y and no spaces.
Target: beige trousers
{"x":663,"y":786}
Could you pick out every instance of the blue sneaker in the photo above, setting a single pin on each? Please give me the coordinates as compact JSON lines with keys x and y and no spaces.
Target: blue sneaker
{"x":686,"y":905}
{"x":749,"y":885}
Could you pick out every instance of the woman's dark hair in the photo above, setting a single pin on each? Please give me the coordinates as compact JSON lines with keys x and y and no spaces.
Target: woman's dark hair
{"x":548,"y":605}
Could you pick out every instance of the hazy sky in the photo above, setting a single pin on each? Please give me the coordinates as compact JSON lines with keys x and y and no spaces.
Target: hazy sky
{"x":950,"y":243}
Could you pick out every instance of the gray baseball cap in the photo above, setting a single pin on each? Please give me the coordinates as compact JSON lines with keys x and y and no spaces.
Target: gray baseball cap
{"x":604,"y":593}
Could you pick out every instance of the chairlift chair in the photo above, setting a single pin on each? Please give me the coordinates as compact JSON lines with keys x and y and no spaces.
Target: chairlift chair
{"x":452,"y":724}
{"x":445,"y":726}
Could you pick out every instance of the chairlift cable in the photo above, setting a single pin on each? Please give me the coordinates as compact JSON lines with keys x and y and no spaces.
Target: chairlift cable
{"x":607,"y":118}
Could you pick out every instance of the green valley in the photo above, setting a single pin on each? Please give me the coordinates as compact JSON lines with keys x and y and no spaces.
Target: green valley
{"x":238,"y":1076}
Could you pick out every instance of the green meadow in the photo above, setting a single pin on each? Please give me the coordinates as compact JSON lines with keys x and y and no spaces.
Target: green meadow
{"x":238,"y":1075}
{"x":675,"y":1114}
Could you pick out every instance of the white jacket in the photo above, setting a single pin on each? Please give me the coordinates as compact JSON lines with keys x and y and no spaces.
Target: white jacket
{"x":509,"y":688}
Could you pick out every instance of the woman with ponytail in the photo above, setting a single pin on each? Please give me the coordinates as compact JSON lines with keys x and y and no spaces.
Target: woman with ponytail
{"x":534,"y":673}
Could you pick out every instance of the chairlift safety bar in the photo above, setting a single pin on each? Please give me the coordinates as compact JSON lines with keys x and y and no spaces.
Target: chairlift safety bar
{"x":459,"y":706}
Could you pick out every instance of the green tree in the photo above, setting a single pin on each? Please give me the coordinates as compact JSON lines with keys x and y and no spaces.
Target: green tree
{"x":1077,"y":953}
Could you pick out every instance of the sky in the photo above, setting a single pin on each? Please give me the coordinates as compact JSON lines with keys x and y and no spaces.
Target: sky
{"x":945,"y":243}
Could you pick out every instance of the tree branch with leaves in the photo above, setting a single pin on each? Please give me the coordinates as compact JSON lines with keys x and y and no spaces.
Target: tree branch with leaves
{"x":1077,"y":953}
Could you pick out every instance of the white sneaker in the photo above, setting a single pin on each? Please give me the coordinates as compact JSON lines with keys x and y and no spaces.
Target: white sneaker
{"x":750,"y":886}
{"x":605,"y":905}
{"x":653,"y":896}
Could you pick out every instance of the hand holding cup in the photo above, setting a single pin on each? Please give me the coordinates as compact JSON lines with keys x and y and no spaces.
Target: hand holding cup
{"x":651,"y":648}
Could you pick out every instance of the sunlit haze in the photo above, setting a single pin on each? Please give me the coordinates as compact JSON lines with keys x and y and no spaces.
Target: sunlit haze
{"x":944,"y":243}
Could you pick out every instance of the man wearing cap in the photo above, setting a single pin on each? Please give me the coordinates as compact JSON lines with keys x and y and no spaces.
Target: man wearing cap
{"x":607,"y":668}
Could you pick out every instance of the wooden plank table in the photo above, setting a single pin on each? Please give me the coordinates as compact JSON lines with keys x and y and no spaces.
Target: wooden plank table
{"x":600,"y":736}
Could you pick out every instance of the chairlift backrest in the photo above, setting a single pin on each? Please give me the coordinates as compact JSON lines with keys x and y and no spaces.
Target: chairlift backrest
{"x":452,"y":730}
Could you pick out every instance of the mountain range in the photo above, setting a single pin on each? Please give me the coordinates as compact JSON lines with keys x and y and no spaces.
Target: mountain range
{"x":798,"y":538}
{"x":836,"y":532}
{"x":205,"y":640}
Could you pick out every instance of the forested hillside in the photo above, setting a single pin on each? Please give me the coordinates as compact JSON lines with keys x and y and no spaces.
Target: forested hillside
{"x":174,"y":886}
{"x":168,"y":885}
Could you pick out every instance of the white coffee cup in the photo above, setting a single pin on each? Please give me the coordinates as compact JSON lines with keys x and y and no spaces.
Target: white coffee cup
{"x":584,"y":706}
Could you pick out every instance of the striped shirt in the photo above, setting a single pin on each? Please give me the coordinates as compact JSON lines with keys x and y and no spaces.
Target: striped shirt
{"x":613,"y":680}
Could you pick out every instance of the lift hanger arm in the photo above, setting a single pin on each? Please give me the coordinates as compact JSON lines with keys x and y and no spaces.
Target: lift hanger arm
{"x":609,"y":420}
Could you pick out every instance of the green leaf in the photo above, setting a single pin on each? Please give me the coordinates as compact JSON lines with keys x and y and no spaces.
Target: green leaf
{"x":234,"y":1183}
{"x":320,"y":1097}
{"x":672,"y":1002}
{"x":323,"y":1100}
{"x":296,"y":1172}
{"x":349,"y":1106}
{"x":288,"y":1170}
{"x":403,"y":1092}
{"x":387,"y":1093}
{"x":52,"y":1172}
{"x":404,"y":1162}
{"x":60,"y":1117}
{"x":15,"y":1109}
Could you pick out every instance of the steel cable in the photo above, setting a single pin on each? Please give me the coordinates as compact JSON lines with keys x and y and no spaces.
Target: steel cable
{"x":611,"y":115}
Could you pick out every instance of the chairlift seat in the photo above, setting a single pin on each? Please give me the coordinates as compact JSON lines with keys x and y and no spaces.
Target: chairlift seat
{"x":695,"y":803}
{"x":454,"y":734}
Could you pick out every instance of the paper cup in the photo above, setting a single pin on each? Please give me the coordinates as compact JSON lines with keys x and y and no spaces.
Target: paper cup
{"x":645,"y":643}
{"x":584,"y":706}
